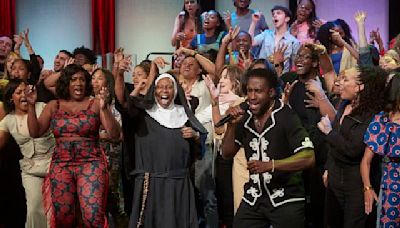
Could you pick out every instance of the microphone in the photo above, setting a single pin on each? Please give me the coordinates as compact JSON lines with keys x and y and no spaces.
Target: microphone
{"x":244,"y":106}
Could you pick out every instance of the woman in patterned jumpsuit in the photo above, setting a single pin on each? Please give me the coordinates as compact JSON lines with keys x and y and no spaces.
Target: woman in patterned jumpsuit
{"x":78,"y":174}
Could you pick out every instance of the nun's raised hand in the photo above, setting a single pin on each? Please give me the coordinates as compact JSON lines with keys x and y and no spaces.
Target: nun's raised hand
{"x":104,"y":97}
{"x":188,"y":132}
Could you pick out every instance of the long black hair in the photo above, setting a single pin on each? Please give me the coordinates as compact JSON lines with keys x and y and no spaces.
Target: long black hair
{"x":9,"y":90}
{"x":371,"y":98}
{"x":392,"y":95}
{"x":324,"y":33}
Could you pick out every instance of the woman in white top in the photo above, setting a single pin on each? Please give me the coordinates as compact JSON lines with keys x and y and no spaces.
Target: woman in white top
{"x":36,"y":152}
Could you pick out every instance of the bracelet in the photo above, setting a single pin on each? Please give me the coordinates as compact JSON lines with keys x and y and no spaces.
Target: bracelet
{"x":367,"y":188}
{"x":273,"y":166}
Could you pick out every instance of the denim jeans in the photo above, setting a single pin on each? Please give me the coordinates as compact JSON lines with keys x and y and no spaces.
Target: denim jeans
{"x":205,"y":184}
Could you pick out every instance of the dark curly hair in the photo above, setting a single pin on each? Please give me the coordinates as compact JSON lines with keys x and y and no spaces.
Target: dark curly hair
{"x":26,"y":63}
{"x":110,"y":82}
{"x":392,"y":95}
{"x":324,"y":33}
{"x":62,"y":86}
{"x":371,"y":98}
{"x":9,"y":90}
{"x":90,"y":55}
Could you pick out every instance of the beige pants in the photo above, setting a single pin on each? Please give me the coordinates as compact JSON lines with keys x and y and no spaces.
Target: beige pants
{"x":240,"y":176}
{"x":35,"y":216}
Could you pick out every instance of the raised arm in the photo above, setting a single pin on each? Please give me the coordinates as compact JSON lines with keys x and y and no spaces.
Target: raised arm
{"x":121,"y":65}
{"x":205,"y":63}
{"x":359,"y":17}
{"x":223,"y":49}
{"x":38,"y":126}
{"x":326,"y":65}
{"x":177,"y":36}
{"x":107,"y":119}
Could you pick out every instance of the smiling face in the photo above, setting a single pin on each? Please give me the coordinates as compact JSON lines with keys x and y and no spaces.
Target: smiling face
{"x":304,"y":10}
{"x":258,"y":95}
{"x":98,"y":81}
{"x":190,"y":69}
{"x":59,"y":61}
{"x":19,"y":99}
{"x":77,"y":86}
{"x":304,"y":62}
{"x":225,"y":82}
{"x":350,"y":85}
{"x":243,"y":42}
{"x":10,"y":61}
{"x":164,"y":92}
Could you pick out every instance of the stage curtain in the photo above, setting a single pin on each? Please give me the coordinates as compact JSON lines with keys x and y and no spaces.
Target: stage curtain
{"x":103,"y":28}
{"x":7,"y":20}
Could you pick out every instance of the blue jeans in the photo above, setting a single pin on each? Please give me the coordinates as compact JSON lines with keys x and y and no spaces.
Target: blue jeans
{"x":205,"y":184}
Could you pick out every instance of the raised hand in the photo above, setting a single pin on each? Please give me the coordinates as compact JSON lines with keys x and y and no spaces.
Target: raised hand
{"x":287,"y":91}
{"x":246,"y":59}
{"x":185,"y":51}
{"x":232,"y":34}
{"x":214,"y":91}
{"x":104,"y":97}
{"x":360,"y":16}
{"x":256,"y":16}
{"x":69,"y":61}
{"x":18,"y":40}
{"x":279,"y":54}
{"x":161,"y":62}
{"x":317,"y":23}
{"x":31,"y":94}
{"x":336,"y":37}
{"x":26,"y":39}
{"x":227,"y":18}
{"x":125,"y":64}
{"x":311,"y":101}
{"x":118,"y":55}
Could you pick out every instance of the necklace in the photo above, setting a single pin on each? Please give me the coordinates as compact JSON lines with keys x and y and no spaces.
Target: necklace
{"x":21,"y":119}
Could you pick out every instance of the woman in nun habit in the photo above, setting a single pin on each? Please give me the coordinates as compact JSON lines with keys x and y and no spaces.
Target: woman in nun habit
{"x":167,"y":137}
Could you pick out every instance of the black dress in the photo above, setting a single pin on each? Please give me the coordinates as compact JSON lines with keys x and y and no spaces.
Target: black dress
{"x":165,"y":156}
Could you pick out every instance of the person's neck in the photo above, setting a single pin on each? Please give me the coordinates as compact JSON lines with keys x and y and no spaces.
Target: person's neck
{"x":209,"y":32}
{"x":306,"y":77}
{"x":242,"y":11}
{"x":260,"y":120}
{"x":20,"y":112}
{"x":281,"y":30}
{"x":190,"y":82}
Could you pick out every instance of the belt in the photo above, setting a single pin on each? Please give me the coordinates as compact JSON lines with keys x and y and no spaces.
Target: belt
{"x":178,"y":173}
{"x":391,"y":159}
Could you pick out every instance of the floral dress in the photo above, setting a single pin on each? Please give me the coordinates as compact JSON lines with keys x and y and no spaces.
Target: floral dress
{"x":383,"y":138}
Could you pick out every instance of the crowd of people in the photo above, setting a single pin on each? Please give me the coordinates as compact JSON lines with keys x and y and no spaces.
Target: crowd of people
{"x":295,"y":124}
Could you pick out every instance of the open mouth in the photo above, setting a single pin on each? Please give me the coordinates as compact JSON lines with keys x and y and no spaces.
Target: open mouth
{"x":253,"y":106}
{"x":300,"y":66}
{"x":23,"y":101}
{"x":164,"y":100}
{"x":276,"y":21}
{"x":78,"y":91}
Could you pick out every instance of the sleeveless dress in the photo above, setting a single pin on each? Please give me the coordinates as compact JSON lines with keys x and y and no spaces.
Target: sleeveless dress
{"x":78,"y":177}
